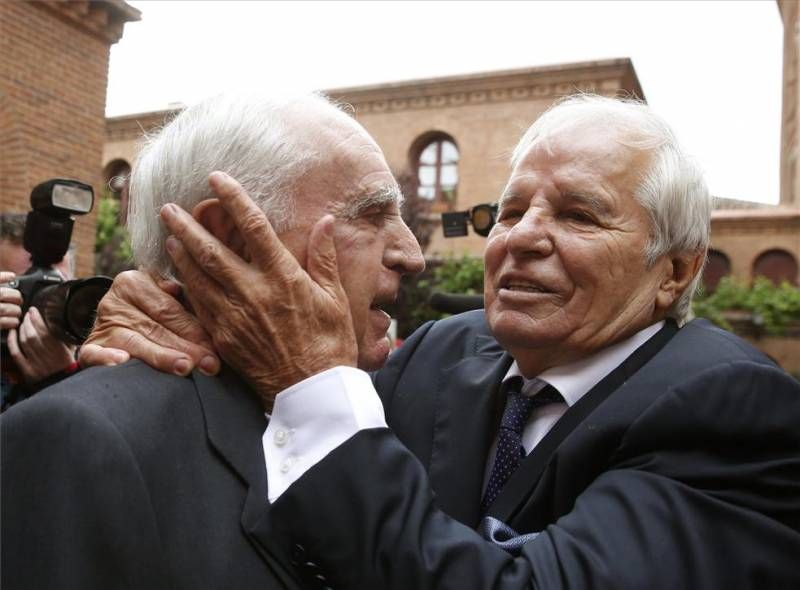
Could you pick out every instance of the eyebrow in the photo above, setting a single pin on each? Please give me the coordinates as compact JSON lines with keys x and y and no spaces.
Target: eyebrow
{"x":506,"y":197}
{"x":377,"y":198}
{"x":592,"y":202}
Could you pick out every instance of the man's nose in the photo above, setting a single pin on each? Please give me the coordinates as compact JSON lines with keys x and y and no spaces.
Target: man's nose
{"x":403,"y":254}
{"x":531,"y":235}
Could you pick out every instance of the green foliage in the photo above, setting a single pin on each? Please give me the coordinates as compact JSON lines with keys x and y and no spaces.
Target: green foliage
{"x":462,"y":275}
{"x":112,"y":245}
{"x":458,"y":275}
{"x":772,"y":307}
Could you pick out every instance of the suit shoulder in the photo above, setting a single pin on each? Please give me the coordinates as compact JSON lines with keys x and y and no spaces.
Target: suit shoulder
{"x":131,"y":396}
{"x":444,"y":341}
{"x":462,"y":335}
{"x":707,"y":344}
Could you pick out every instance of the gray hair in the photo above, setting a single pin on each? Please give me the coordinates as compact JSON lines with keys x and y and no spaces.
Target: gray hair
{"x":255,"y":139}
{"x":672,"y":189}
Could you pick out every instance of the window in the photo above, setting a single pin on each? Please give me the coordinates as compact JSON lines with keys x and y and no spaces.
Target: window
{"x":777,"y":266}
{"x":717,"y":266}
{"x":116,"y":174}
{"x":437,"y":170}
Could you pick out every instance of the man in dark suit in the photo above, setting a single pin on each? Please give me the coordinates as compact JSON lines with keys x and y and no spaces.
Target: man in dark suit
{"x":581,"y":433}
{"x":126,"y":477}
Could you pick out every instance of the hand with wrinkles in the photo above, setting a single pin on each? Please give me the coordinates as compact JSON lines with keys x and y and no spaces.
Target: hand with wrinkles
{"x":270,"y":319}
{"x":141,"y":317}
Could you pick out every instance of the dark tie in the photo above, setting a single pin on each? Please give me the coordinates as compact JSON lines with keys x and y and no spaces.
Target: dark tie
{"x":509,"y":438}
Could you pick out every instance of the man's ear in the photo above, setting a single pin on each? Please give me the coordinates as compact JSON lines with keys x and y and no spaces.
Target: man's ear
{"x":681,"y":269}
{"x":213,"y":216}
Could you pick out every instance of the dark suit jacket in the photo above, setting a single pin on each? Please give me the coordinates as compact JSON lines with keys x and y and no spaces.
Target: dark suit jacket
{"x":681,"y":469}
{"x":129,"y":478}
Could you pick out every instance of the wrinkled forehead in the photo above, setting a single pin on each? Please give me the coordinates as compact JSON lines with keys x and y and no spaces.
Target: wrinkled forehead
{"x":595,"y":146}
{"x":347,"y":165}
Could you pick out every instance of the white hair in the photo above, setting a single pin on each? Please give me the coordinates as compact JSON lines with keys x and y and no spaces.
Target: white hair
{"x":255,"y":139}
{"x":672,"y":188}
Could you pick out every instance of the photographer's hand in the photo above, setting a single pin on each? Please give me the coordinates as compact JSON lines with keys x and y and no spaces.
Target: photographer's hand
{"x":142,"y":318}
{"x":10,"y":303}
{"x":37,"y":353}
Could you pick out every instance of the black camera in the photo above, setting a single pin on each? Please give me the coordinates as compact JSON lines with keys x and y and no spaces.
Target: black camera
{"x":481,"y":217}
{"x":68,"y":307}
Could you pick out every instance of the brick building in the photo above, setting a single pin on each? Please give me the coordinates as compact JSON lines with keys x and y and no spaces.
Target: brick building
{"x":54,"y":72}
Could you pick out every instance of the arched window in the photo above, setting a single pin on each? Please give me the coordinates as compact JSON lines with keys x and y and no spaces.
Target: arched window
{"x":717,"y":266}
{"x":777,"y":266}
{"x":116,"y":174}
{"x":436,"y":159}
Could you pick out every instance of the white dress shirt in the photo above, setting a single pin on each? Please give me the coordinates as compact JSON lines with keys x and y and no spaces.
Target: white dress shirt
{"x":311,"y":418}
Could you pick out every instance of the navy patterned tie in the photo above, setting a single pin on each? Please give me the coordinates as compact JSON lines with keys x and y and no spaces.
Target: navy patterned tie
{"x":509,"y":438}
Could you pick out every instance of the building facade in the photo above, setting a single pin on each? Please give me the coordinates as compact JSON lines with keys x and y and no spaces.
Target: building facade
{"x":452,"y":135}
{"x":54,"y":73}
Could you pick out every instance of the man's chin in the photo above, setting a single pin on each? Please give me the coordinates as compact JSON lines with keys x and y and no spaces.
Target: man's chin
{"x":372,"y":356}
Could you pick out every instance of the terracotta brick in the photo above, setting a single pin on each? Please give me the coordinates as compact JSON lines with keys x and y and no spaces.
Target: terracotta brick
{"x":53,"y":71}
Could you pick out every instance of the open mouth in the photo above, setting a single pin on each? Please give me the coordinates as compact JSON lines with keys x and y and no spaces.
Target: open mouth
{"x":526,"y":288}
{"x":381,"y":303}
{"x":523,"y":286}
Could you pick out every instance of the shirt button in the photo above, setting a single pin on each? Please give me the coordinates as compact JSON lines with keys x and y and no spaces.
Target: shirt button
{"x":281,"y":437}
{"x":286,"y":465}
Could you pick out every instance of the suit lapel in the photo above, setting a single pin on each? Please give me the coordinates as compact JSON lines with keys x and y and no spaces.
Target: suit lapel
{"x":523,"y":481}
{"x":463,"y":428}
{"x":235,"y":423}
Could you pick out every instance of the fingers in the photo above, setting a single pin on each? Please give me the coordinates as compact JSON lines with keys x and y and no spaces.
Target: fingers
{"x":9,"y":295}
{"x":169,"y":337}
{"x":166,"y":320}
{"x":8,"y":322}
{"x":94,"y":355}
{"x":263,"y":244}
{"x":191,"y":274}
{"x":28,"y":335}
{"x":159,"y":357}
{"x":37,"y":321}
{"x":211,"y":254}
{"x":150,"y":342}
{"x":169,"y":287}
{"x":321,"y":264}
{"x":6,"y":276}
{"x":16,"y":353}
{"x":10,"y":304}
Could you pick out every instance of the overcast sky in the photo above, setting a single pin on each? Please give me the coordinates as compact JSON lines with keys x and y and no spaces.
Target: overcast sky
{"x":713,"y":69}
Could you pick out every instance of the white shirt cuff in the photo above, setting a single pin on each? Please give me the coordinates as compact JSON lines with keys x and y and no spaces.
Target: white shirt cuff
{"x":312,"y":418}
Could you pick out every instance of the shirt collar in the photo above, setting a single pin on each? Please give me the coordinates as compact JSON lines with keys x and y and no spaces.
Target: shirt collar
{"x":574,"y":380}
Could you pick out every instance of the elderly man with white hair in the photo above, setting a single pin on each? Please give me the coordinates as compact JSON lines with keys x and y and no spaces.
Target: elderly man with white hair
{"x":126,"y":477}
{"x":580,"y":432}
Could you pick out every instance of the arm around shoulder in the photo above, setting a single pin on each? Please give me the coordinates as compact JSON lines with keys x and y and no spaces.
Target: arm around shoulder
{"x":702,"y":492}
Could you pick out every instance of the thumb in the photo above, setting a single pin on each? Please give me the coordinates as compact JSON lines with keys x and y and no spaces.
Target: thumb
{"x":321,"y":265}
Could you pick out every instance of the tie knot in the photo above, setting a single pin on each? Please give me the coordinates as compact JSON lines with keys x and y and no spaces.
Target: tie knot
{"x":519,"y":406}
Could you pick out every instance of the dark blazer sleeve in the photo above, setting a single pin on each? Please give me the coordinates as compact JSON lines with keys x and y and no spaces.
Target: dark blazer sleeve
{"x":703,"y":492}
{"x":75,"y":508}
